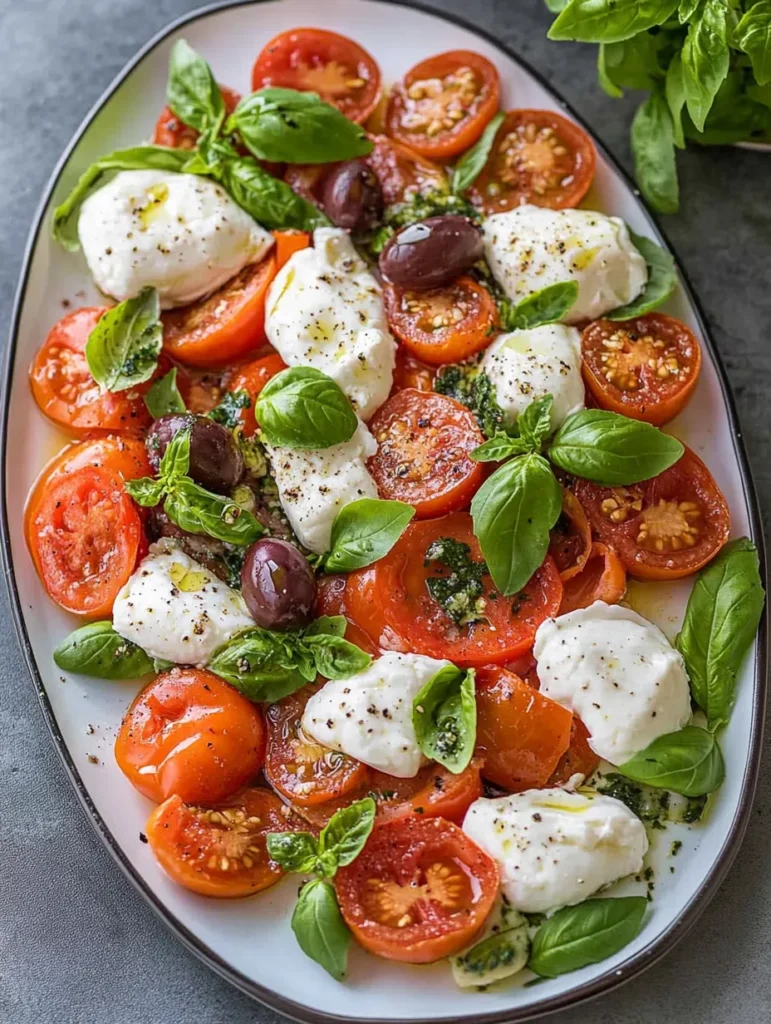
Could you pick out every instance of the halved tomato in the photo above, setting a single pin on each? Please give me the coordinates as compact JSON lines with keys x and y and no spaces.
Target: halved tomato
{"x":443,"y":104}
{"x":190,"y":734}
{"x":330,"y":600}
{"x":219,"y":850}
{"x":252,"y":378}
{"x":170,"y":131}
{"x":571,"y":537}
{"x":664,"y":528}
{"x":521,"y":734}
{"x":424,"y":441}
{"x":66,"y":392}
{"x":402,"y":173}
{"x":298,"y":767}
{"x":409,"y":372}
{"x":602,"y":578}
{"x":419,"y":890}
{"x":578,"y":759}
{"x":228,"y":325}
{"x":392,"y":603}
{"x":646,"y":368}
{"x":538,"y":157}
{"x":443,"y":325}
{"x":314,"y":60}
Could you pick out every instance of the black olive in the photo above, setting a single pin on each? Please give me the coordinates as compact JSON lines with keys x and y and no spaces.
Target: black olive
{"x":431,"y":253}
{"x":278,"y":585}
{"x":216,"y":462}
{"x":352,"y":198}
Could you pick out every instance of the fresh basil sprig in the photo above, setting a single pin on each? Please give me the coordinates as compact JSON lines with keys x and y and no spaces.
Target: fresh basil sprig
{"x":612,"y":21}
{"x":192,"y":93}
{"x":123,"y":348}
{"x":547,"y":306}
{"x":662,"y":280}
{"x":317,"y":922}
{"x":364,"y":531}
{"x":575,"y":937}
{"x":163,"y":396}
{"x":470,"y":165}
{"x":97,"y":650}
{"x":266,"y":666}
{"x":304,"y":408}
{"x":722,"y":617}
{"x":444,"y":716}
{"x":688,"y":762}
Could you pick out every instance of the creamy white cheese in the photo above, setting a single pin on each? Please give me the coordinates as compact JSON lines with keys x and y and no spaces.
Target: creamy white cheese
{"x":369,"y":716}
{"x":180,"y":233}
{"x":526,"y":365}
{"x":531,"y":247}
{"x":177,"y":610}
{"x":618,"y":673}
{"x":555,"y":848}
{"x":325,"y":310}
{"x":313,"y":485}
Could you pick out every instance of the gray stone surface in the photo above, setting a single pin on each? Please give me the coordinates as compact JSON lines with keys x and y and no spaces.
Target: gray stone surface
{"x":77,"y":944}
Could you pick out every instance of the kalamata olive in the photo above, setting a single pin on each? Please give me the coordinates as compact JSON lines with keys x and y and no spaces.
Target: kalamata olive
{"x":216,"y":462}
{"x":431,"y":253}
{"x":278,"y":585}
{"x":352,"y":198}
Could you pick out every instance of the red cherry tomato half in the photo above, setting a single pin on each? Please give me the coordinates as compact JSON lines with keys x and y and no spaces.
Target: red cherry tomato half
{"x":410,"y":372}
{"x":402,"y":173}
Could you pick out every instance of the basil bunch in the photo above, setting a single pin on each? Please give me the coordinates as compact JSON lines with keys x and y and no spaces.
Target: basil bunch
{"x":122,"y":350}
{"x":304,"y":408}
{"x":266,"y":666}
{"x":96,"y":650}
{"x":705,"y":63}
{"x":444,"y":716}
{"x":189,"y":505}
{"x":321,"y":932}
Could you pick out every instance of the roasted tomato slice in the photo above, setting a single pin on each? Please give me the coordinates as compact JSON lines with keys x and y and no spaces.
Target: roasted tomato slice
{"x":228,"y":325}
{"x":419,"y":890}
{"x":578,"y":759}
{"x":602,"y":578}
{"x":443,"y":325}
{"x":190,"y":734}
{"x":219,"y":850}
{"x":314,"y":60}
{"x":645,"y":368}
{"x":537,"y":157}
{"x":252,"y":378}
{"x":301,"y":769}
{"x":571,"y":537}
{"x":424,"y":440}
{"x":664,"y":528}
{"x":66,"y":392}
{"x":170,"y":131}
{"x":330,"y":600}
{"x":403,"y":173}
{"x":521,"y":735}
{"x":443,"y":104}
{"x":395,"y":606}
{"x":410,"y":372}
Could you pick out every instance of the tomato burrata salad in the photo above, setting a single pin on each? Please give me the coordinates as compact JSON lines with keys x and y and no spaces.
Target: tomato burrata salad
{"x":366,"y":440}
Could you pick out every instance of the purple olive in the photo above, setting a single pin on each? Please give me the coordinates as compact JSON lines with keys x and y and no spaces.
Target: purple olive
{"x":352,"y":198}
{"x":278,"y":585}
{"x":431,"y":253}
{"x":216,"y":462}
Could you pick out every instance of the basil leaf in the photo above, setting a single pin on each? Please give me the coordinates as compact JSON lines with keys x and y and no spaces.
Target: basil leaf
{"x":547,"y":306}
{"x":513,"y":511}
{"x":123,"y":349}
{"x":555,"y":6}
{"x":175,"y":462}
{"x":706,"y":58}
{"x":336,"y":658}
{"x":197,"y":510}
{"x":611,"y":449}
{"x":287,"y":126}
{"x":228,"y":412}
{"x":499,"y":447}
{"x":722,"y":617}
{"x":269,"y":200}
{"x":585,"y":934}
{"x":653,"y":147}
{"x":364,"y":531}
{"x":137,"y":158}
{"x":470,"y":165}
{"x":607,"y":84}
{"x":610,"y":21}
{"x":444,"y":716}
{"x":260,"y":664}
{"x":145,"y":491}
{"x":304,"y":408}
{"x":686,"y":10}
{"x":688,"y":762}
{"x":294,"y":851}
{"x":662,"y":280}
{"x":753,"y":35}
{"x":347,"y":831}
{"x":674,"y":91}
{"x":97,"y":650}
{"x":327,"y":625}
{"x":631,"y":64}
{"x":192,"y":92}
{"x":319,"y":927}
{"x":163,"y":396}
{"x":534,"y":422}
{"x":737,"y":113}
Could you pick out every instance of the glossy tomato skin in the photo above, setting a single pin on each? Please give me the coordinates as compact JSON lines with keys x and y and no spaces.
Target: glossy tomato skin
{"x":423,"y":457}
{"x":646,"y":368}
{"x":410,"y":372}
{"x":170,"y":131}
{"x":602,"y":578}
{"x":538,"y":157}
{"x":521,"y":734}
{"x":442,"y":325}
{"x":219,"y":850}
{"x":664,"y":528}
{"x":190,"y":734}
{"x":578,"y":759}
{"x":252,"y":378}
{"x":66,"y":392}
{"x":571,"y":537}
{"x":443,"y":104}
{"x":331,"y":600}
{"x":315,"y":60}
{"x":419,"y":890}
{"x":402,"y":172}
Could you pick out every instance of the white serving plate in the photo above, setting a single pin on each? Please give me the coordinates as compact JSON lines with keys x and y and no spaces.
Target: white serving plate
{"x":250,"y":941}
